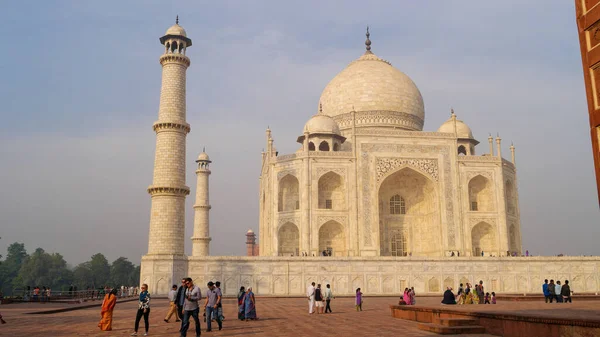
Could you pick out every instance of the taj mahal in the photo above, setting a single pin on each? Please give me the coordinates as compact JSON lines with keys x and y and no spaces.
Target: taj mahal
{"x":368,"y":200}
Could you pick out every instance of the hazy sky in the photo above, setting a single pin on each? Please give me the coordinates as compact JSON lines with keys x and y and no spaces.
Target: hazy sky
{"x":80,"y":88}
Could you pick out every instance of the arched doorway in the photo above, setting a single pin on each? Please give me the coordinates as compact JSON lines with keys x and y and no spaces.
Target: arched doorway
{"x":332,"y":238}
{"x":409,"y":215}
{"x":481,"y":198}
{"x":483,"y":239}
{"x":289,"y":240}
{"x":289,"y":197}
{"x":331,"y":192}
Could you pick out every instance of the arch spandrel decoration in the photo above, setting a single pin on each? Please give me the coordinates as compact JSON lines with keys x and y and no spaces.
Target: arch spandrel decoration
{"x":444,"y":169}
{"x":324,"y":170}
{"x":386,"y":166}
{"x":342,"y":220}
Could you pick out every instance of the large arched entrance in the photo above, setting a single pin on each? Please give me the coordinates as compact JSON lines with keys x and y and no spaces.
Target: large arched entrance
{"x":332,"y":238}
{"x":409,"y":215}
{"x":483,"y":239}
{"x":289,"y":240}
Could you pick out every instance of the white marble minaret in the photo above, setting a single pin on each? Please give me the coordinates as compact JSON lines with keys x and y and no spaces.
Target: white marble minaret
{"x":166,"y":261}
{"x":201,"y":238}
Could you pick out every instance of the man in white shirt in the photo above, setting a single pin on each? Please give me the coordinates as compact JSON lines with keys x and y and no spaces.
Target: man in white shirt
{"x":172,"y":305}
{"x":310,"y":293}
{"x":328,"y":297}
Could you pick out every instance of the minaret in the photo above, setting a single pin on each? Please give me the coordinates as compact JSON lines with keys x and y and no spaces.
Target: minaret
{"x":491,"y":141}
{"x":251,"y":243}
{"x":168,"y":189}
{"x":498,"y":140}
{"x":166,"y":258}
{"x":512,"y":153}
{"x":201,"y":238}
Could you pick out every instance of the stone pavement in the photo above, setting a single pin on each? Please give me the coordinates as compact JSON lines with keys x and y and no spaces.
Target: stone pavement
{"x":278,"y":317}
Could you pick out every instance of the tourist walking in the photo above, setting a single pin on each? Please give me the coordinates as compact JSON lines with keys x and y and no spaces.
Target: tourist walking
{"x":180,"y":298}
{"x":249,"y":306}
{"x":546,"y":291}
{"x":493,"y":297}
{"x":552,"y":290}
{"x":480,"y":292}
{"x":213,"y":298}
{"x":319,"y":299}
{"x":359,"y":300}
{"x":468,"y":294}
{"x":143,"y":310}
{"x":557,"y":292}
{"x":310,"y":293}
{"x":240,"y":298}
{"x":413,"y":298}
{"x":219,"y":311}
{"x":565,"y":291}
{"x":190,"y":307}
{"x":2,"y":321}
{"x":487,"y":298}
{"x":328,"y":297}
{"x":172,"y":304}
{"x":106,"y":312}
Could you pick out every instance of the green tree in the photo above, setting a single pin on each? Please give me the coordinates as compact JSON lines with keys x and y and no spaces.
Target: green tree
{"x":100,"y":270}
{"x":82,"y":276}
{"x":135,"y":276}
{"x":9,"y":270}
{"x":43,"y":269}
{"x":121,"y":271}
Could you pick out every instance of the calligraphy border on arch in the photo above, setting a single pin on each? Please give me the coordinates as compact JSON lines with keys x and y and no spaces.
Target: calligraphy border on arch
{"x":368,"y":148}
{"x":427,"y":166}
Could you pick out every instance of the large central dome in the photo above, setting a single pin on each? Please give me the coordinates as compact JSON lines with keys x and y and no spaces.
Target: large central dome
{"x":380,"y":94}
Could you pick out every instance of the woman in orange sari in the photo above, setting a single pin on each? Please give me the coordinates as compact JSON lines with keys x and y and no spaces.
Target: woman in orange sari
{"x":108,"y":305}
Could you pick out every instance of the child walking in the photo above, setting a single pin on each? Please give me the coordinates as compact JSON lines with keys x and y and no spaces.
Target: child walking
{"x":493,"y":297}
{"x":358,"y":300}
{"x":487,"y":298}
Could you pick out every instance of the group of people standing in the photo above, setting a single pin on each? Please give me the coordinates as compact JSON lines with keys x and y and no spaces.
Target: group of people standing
{"x":321,"y":300}
{"x":246,"y":305}
{"x":555,"y":291}
{"x":469,"y":295}
{"x":408,"y":297}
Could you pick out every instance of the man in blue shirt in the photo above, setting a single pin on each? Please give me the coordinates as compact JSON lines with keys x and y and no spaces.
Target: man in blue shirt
{"x":546,"y":291}
{"x":213,"y":299}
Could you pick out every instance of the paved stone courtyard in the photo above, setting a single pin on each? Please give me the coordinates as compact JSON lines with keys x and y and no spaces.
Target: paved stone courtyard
{"x":278,"y":317}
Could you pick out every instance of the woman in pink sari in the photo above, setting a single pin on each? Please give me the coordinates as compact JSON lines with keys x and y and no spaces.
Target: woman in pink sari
{"x":406,"y":296}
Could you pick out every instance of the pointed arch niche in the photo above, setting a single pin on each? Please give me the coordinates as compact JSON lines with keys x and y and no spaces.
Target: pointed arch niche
{"x":332,"y":192}
{"x":289,"y":196}
{"x":409,"y":216}
{"x":483,"y":239}
{"x":288,"y":238}
{"x":481,"y":197}
{"x":332,"y":237}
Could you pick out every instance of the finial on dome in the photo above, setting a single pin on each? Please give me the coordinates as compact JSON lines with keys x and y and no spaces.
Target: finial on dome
{"x":204,"y":149}
{"x":177,"y":20}
{"x":320,"y":108}
{"x":452,"y":112}
{"x":368,"y":42}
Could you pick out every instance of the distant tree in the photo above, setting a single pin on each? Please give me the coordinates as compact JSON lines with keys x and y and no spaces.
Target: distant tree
{"x":135,"y":276}
{"x":82,"y":276}
{"x":121,"y":271}
{"x":43,"y":269}
{"x":9,"y":270}
{"x":100,"y":270}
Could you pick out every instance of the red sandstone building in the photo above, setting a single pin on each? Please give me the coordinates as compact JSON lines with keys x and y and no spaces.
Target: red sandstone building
{"x":251,"y":245}
{"x":588,"y":24}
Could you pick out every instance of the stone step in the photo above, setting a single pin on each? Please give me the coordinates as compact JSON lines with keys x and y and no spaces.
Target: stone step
{"x":456,"y":321}
{"x":451,"y":330}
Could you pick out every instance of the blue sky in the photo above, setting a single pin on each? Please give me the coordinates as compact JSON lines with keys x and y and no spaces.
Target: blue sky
{"x":80,"y":89}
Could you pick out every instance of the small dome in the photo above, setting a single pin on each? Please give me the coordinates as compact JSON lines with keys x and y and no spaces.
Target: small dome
{"x":462,"y":129}
{"x":203,"y":157}
{"x":250,"y":231}
{"x":176,"y":29}
{"x":372,"y":84}
{"x":321,"y":123}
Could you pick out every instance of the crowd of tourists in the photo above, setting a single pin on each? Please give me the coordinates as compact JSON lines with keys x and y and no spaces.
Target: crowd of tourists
{"x":557,"y":291}
{"x":185,"y":304}
{"x":467,"y":294}
{"x":319,"y":300}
